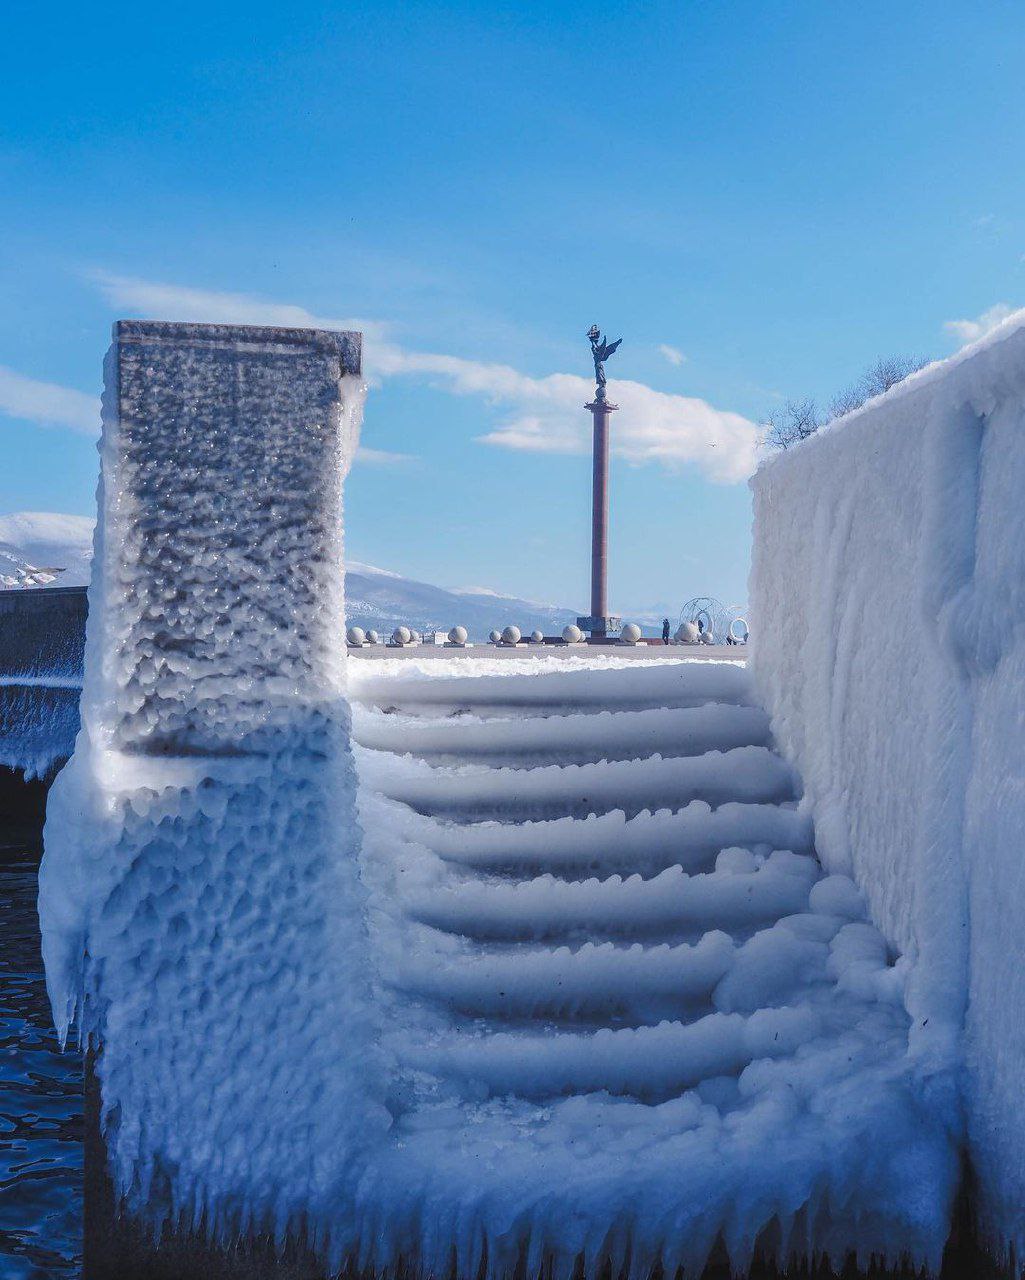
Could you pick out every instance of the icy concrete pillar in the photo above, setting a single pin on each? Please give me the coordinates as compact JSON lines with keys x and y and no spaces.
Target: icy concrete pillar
{"x":225,"y":451}
{"x":200,"y":902}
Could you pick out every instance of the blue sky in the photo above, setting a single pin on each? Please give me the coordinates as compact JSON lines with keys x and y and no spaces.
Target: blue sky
{"x":760,"y":198}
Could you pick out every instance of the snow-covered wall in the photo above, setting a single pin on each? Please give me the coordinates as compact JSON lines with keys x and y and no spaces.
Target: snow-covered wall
{"x":888,"y":600}
{"x":200,"y":901}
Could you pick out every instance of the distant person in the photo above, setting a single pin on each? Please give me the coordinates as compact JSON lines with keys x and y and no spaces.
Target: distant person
{"x":665,"y":630}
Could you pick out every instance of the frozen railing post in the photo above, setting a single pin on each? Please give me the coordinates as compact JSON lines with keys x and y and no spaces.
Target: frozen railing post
{"x":227,"y":462}
{"x":200,"y":901}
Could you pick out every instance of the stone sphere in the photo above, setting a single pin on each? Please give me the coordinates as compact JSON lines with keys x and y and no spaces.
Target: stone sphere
{"x":511,"y":635}
{"x":688,"y":633}
{"x":457,"y":635}
{"x":572,"y":634}
{"x":537,"y":637}
{"x":707,"y":637}
{"x":494,"y":636}
{"x":401,"y":635}
{"x":630,"y":634}
{"x":373,"y":637}
{"x":415,"y":637}
{"x":355,"y":635}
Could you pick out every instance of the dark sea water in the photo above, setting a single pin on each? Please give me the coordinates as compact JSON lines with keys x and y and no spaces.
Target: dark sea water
{"x":40,"y":1091}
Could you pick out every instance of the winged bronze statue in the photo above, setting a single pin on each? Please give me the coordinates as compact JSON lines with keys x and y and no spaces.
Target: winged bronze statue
{"x":601,"y":349}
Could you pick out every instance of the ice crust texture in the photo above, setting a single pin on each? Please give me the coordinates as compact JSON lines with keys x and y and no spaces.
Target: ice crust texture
{"x":482,"y":1009}
{"x":200,"y":900}
{"x":889,"y":590}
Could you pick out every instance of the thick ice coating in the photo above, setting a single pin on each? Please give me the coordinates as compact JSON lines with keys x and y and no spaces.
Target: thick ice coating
{"x":199,"y":889}
{"x":889,"y":586}
{"x":579,"y":990}
{"x":631,"y":1012}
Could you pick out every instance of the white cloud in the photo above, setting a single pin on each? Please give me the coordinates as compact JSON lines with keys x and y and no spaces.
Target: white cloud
{"x":382,"y":457}
{"x":545,"y":415}
{"x":48,"y":404}
{"x":174,"y":302}
{"x":651,"y":426}
{"x":673,"y":354}
{"x":966,"y":331}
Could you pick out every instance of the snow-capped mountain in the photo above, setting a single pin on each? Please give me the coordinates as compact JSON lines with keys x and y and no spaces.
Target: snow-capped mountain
{"x":45,"y":549}
{"x":42,"y":548}
{"x":381,"y":600}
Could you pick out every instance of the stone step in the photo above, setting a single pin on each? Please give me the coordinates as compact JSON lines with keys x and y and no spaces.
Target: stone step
{"x":472,"y":793}
{"x":635,"y":686}
{"x":593,"y":981}
{"x":670,"y":906}
{"x":608,"y":843}
{"x":648,"y":1063}
{"x":526,"y":743}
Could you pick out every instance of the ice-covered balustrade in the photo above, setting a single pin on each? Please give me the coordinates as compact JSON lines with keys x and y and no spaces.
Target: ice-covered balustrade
{"x":630,"y":1013}
{"x":40,"y":677}
{"x":889,"y":592}
{"x":199,"y":894}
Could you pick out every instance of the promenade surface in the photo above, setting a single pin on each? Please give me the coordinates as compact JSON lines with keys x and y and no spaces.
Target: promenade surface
{"x":704,"y":652}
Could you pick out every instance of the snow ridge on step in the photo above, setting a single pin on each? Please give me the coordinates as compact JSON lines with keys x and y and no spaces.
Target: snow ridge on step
{"x":629,"y":1012}
{"x":593,"y":979}
{"x":647,"y":843}
{"x":649,"y":1063}
{"x":671,"y":902}
{"x":750,"y":774}
{"x":528,"y":742}
{"x":634,"y":686}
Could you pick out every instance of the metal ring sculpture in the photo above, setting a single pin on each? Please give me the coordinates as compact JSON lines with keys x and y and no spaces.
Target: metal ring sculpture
{"x":743,"y":623}
{"x":715,"y":616}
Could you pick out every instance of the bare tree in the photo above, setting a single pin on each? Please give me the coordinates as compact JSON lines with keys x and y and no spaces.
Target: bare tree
{"x":846,"y":401}
{"x":887,"y":372}
{"x":799,"y":419}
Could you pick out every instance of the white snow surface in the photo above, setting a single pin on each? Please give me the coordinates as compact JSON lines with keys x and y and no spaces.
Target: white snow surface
{"x":888,"y":596}
{"x":629,"y":1011}
{"x":621,"y":1034}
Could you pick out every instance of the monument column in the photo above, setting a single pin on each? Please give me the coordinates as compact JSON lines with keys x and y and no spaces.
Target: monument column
{"x":601,"y":410}
{"x":599,"y":623}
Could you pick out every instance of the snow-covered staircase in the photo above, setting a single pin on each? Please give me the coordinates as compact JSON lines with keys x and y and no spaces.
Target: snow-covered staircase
{"x":599,"y":919}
